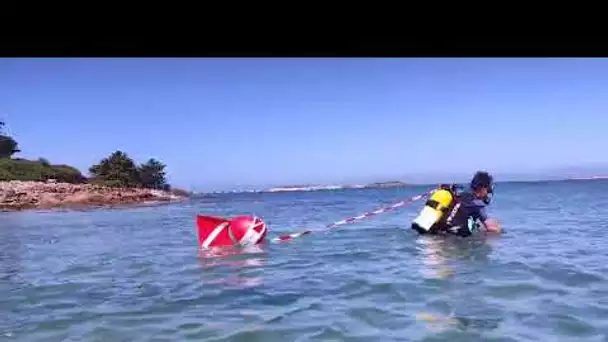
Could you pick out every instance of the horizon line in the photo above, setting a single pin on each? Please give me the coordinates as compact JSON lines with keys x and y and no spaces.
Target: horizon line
{"x":411,"y":184}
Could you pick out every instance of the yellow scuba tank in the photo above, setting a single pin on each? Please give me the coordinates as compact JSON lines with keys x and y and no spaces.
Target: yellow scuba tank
{"x":434,"y":209}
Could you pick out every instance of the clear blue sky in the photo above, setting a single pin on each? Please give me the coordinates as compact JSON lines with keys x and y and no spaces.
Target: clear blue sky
{"x":225,"y":123}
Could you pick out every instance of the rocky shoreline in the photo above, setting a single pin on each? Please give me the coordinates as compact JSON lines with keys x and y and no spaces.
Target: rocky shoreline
{"x":23,"y":195}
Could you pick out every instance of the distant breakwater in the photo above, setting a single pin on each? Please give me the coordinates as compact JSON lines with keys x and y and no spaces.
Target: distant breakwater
{"x":393,"y":184}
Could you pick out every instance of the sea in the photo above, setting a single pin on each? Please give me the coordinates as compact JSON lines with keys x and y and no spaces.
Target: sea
{"x":136,"y":274}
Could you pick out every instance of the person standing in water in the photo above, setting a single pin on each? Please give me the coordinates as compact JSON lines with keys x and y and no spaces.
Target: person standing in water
{"x":449,"y":212}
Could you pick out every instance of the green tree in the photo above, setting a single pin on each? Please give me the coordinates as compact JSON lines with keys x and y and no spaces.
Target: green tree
{"x":8,"y":146}
{"x":117,"y":170}
{"x":152,"y":175}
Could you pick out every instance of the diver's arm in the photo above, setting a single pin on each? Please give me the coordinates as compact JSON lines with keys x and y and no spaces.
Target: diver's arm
{"x":490,"y":225}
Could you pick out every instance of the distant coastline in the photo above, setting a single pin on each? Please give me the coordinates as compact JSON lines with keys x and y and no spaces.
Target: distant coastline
{"x":589,"y":178}
{"x":400,"y":184}
{"x":382,"y":185}
{"x":286,"y":188}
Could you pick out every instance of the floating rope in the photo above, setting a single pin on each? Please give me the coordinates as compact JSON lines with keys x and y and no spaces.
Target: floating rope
{"x":288,"y":237}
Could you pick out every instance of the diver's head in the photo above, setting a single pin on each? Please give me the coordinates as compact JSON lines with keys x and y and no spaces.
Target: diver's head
{"x":482,"y":186}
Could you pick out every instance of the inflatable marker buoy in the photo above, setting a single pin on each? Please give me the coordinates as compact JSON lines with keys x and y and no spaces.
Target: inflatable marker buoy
{"x":239,"y":231}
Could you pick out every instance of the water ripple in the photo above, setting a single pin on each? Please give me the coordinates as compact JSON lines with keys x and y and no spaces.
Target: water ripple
{"x":134,"y":274}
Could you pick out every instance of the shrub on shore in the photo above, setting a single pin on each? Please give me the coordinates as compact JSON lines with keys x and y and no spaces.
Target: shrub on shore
{"x":30,"y":170}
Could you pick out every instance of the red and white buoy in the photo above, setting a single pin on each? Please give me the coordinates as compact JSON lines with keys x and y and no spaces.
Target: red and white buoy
{"x":239,"y":231}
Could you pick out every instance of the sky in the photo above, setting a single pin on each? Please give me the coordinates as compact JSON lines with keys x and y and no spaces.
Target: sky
{"x":221,"y":124}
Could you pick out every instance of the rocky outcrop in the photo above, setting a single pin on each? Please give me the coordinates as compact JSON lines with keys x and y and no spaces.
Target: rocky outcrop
{"x":19,"y":195}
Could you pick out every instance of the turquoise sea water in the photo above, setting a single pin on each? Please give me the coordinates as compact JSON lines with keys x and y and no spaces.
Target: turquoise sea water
{"x":135,"y":274}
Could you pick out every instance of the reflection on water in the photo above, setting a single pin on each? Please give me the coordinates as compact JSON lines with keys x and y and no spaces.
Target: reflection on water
{"x":235,"y":259}
{"x":445,"y":258}
{"x":230,"y":251}
{"x":434,"y":263}
{"x":441,"y":254}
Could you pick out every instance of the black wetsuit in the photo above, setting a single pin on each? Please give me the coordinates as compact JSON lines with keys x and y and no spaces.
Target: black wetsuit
{"x":462,"y":217}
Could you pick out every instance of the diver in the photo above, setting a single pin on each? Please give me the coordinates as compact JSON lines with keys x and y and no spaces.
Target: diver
{"x":449,"y":211}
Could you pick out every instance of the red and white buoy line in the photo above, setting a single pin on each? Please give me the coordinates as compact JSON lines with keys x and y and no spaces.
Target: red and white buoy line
{"x":288,"y":237}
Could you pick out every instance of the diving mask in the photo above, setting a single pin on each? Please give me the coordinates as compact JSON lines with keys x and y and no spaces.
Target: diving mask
{"x":490,"y":194}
